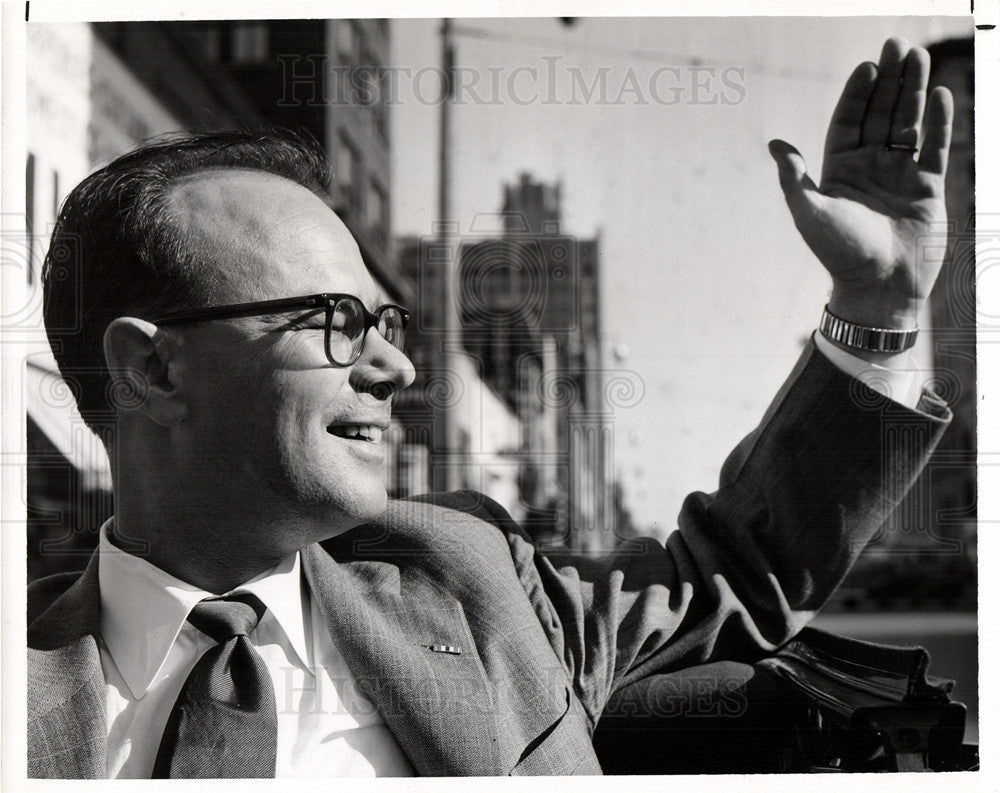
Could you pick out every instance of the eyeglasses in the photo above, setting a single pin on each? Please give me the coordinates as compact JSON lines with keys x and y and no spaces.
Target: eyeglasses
{"x":347,"y":320}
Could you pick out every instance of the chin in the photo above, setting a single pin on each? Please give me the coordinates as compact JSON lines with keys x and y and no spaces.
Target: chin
{"x":328,"y":515}
{"x":340,"y":503}
{"x":334,"y":479}
{"x":359,"y":504}
{"x":371,"y":506}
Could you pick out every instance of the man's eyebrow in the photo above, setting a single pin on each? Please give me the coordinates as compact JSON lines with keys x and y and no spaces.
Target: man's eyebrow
{"x":288,"y":318}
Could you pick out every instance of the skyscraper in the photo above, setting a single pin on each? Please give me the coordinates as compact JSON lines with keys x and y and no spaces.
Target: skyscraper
{"x":530,"y":309}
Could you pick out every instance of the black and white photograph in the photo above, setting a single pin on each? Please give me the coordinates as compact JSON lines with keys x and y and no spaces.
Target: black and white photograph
{"x":411,"y":393}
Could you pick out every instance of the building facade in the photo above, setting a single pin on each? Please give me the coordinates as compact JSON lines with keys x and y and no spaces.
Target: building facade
{"x":528,"y":300}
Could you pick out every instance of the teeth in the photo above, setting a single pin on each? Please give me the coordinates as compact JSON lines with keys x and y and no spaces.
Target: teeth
{"x":365,"y":432}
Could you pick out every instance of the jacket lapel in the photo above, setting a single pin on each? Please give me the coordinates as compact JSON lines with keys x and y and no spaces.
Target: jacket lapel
{"x":437,"y":704}
{"x":67,"y":716}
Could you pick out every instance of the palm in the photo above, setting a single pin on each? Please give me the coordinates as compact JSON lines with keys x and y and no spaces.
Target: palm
{"x":875,"y":204}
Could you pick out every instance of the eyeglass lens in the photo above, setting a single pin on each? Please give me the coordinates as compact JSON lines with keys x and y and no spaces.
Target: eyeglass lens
{"x":348,"y":325}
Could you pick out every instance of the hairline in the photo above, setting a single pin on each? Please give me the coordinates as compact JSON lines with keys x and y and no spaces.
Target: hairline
{"x":173,"y":211}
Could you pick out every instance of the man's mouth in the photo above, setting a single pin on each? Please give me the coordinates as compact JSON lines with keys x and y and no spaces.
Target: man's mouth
{"x":358,"y":432}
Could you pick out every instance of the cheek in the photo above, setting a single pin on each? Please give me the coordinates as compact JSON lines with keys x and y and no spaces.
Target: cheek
{"x":299,"y":407}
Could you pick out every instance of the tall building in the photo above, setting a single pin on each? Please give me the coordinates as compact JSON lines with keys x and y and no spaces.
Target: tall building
{"x":953,"y":301}
{"x":566,"y":287}
{"x":530,"y":319}
{"x":488,"y":426}
{"x":938,"y":517}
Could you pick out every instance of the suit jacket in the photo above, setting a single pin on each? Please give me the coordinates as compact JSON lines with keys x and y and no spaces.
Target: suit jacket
{"x":546,"y":639}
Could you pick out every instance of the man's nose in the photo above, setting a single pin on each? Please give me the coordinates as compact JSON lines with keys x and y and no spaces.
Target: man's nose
{"x":382,"y":370}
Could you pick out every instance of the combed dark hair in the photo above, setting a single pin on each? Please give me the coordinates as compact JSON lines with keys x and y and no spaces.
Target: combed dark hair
{"x":116,"y":249}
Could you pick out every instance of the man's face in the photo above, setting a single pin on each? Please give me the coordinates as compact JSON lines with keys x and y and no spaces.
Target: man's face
{"x":270,"y":421}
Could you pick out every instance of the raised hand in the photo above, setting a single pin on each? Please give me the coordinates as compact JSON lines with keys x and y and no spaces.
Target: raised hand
{"x":879,"y":193}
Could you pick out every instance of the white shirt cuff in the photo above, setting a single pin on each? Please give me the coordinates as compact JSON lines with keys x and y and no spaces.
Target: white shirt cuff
{"x":901,"y":385}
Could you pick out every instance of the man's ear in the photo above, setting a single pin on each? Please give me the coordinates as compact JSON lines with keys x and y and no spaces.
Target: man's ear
{"x":139,"y":362}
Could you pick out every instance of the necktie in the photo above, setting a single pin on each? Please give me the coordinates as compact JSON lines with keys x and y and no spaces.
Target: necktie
{"x":224,"y":723}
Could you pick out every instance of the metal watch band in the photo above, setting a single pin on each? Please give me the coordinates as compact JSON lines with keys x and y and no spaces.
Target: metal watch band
{"x":862,"y":337}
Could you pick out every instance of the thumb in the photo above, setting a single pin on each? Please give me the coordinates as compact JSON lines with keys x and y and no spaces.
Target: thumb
{"x":800,"y":190}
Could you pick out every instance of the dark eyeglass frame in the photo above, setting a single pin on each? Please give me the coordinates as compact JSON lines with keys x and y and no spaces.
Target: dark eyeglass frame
{"x":326,"y":300}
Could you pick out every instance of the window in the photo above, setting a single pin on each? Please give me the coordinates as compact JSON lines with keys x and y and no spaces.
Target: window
{"x":366,"y":88}
{"x":29,"y":220}
{"x":210,"y":41}
{"x":379,"y":111}
{"x":346,"y":40}
{"x":376,"y":213}
{"x":348,"y":175}
{"x":346,"y":165}
{"x":250,"y":42}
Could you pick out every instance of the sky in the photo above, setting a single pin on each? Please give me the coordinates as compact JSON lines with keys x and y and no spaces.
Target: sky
{"x":707,"y":290}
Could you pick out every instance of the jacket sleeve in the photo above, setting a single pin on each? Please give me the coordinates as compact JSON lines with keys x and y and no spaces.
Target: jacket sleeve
{"x":750,"y":564}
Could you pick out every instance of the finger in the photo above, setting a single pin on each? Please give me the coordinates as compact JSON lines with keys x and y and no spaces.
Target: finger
{"x":912,"y":94}
{"x":848,"y":116}
{"x":878,"y":114}
{"x":799,"y":189}
{"x":937,"y":132}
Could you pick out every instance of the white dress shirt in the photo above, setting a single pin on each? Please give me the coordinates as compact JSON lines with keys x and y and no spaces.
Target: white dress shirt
{"x":326,"y":725}
{"x":900,"y":382}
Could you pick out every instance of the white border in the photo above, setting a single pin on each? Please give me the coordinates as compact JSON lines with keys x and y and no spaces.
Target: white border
{"x":12,"y":94}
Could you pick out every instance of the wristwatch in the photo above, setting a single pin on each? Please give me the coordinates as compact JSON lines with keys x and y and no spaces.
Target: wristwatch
{"x":862,"y":337}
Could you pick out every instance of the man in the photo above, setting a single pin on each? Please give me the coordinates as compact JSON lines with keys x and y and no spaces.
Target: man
{"x":256,"y":608}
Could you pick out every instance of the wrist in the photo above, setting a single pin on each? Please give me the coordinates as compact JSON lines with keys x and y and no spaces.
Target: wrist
{"x":875,"y":307}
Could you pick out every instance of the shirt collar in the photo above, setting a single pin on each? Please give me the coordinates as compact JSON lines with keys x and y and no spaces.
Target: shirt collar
{"x":143,"y":609}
